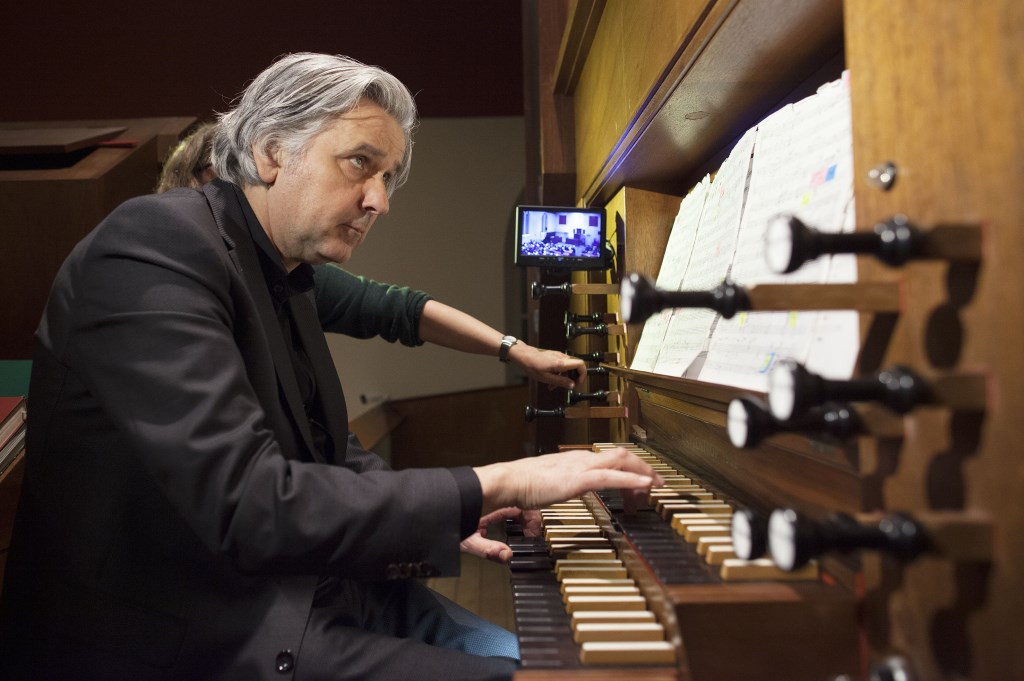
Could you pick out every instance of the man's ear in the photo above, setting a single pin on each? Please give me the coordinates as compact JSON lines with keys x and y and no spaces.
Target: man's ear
{"x":267,"y":163}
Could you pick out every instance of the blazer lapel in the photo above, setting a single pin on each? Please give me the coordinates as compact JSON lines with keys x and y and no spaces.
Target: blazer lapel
{"x":231,"y":223}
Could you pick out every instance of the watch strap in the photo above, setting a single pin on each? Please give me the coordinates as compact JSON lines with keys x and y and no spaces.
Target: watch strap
{"x":506,"y":344}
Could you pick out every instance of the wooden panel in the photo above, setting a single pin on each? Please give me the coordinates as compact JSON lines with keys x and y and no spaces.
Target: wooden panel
{"x":740,"y":60}
{"x":165,"y":130}
{"x":633,"y":43}
{"x":649,"y":218}
{"x":54,"y":140}
{"x":46,"y":212}
{"x":936,"y":89}
{"x":577,"y":39}
{"x":557,"y":149}
{"x":822,"y":618}
{"x":469,"y":428}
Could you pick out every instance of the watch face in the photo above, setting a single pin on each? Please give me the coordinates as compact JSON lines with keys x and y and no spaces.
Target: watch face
{"x":778,"y":244}
{"x":738,"y":423}
{"x":506,"y":344}
{"x":782,"y":391}
{"x":782,"y":538}
{"x":627,"y":291}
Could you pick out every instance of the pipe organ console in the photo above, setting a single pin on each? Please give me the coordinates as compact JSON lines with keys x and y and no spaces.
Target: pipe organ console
{"x":821,"y":521}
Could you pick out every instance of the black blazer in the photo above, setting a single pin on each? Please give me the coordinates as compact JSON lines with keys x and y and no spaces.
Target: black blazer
{"x":174,"y":521}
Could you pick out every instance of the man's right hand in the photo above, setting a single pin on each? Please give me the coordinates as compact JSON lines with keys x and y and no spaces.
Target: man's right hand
{"x":539,"y":481}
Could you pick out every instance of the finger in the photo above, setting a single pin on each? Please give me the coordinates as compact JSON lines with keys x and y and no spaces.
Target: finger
{"x":500,"y":514}
{"x":599,"y":478}
{"x":503,"y":554}
{"x":470,"y":545}
{"x":557,"y":381}
{"x":495,"y":551}
{"x":580,"y":369}
{"x":533,"y":525}
{"x":563,"y":381}
{"x":621,"y":459}
{"x":475,"y":545}
{"x":608,"y":478}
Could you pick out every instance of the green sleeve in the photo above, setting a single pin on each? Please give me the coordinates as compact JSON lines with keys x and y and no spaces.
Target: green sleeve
{"x":363,"y":308}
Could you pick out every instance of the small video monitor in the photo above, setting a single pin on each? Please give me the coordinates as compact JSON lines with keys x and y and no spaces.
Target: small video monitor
{"x":560,"y":238}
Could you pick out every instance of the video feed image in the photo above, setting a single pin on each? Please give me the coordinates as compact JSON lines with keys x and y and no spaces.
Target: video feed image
{"x":556,"y":234}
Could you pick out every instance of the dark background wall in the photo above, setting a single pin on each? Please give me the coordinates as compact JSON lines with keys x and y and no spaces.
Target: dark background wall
{"x":122,"y":58}
{"x":462,"y":59}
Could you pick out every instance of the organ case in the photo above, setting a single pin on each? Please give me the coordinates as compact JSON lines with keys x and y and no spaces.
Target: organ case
{"x":641,"y":99}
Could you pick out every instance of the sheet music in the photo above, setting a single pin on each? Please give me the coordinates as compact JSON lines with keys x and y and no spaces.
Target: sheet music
{"x":670,"y":275}
{"x":713,"y":250}
{"x":685,"y":339}
{"x":652,"y":338}
{"x":802,"y":165}
{"x":683,"y":236}
{"x":715,"y":245}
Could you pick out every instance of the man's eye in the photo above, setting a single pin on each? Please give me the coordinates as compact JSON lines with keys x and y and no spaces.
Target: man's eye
{"x":359,"y":162}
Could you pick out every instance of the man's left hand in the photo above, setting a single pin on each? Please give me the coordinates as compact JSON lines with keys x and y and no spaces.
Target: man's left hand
{"x":478,"y":544}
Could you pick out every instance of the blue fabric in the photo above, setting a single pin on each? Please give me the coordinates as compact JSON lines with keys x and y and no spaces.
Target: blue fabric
{"x":465,"y":631}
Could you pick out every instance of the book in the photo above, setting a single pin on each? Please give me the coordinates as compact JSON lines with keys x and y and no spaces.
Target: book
{"x":10,"y":451}
{"x":12,"y":417}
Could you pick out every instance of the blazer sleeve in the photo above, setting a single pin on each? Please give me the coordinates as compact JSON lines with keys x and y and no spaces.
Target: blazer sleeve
{"x":150,"y":313}
{"x":363,"y":308}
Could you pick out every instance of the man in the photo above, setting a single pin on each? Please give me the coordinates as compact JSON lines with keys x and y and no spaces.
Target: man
{"x":362,"y":308}
{"x":193,"y":506}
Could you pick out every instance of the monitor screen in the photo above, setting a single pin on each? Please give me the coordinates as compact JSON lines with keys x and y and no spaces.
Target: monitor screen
{"x":560,"y":238}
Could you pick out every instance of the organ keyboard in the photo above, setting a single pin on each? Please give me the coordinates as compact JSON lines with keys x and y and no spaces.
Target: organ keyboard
{"x":660,"y":591}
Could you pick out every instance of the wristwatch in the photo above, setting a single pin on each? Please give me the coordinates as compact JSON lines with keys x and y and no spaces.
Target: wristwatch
{"x":506,"y":344}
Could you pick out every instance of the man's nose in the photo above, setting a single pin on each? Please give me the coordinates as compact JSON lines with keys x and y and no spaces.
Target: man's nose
{"x":375,"y":196}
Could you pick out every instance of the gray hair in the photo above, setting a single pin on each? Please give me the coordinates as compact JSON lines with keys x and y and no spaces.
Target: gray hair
{"x":293,"y":100}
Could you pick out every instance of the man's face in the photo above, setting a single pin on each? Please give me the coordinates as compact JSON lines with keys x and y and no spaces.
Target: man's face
{"x":320,"y":205}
